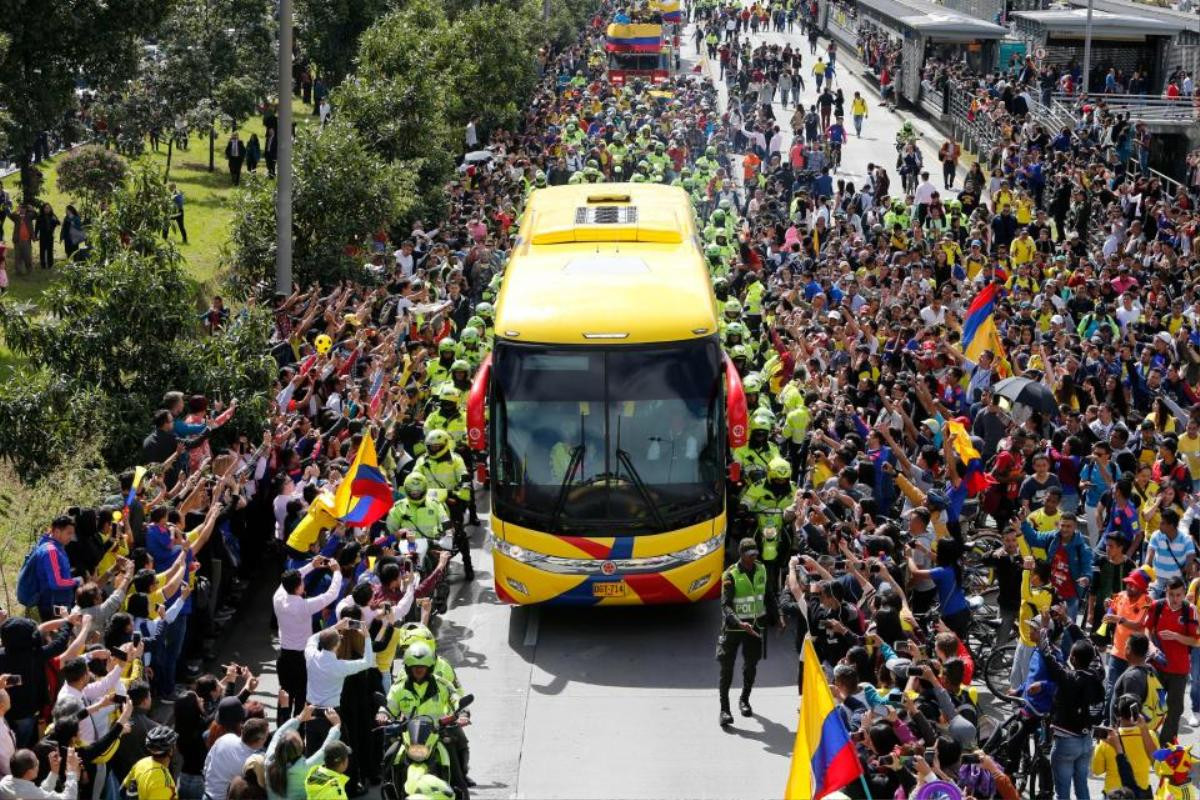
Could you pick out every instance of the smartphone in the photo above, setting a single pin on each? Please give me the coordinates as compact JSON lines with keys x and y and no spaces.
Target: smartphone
{"x":1100,"y":732}
{"x":119,"y":700}
{"x":930,"y":754}
{"x":901,"y":646}
{"x":119,"y":655}
{"x":353,"y":625}
{"x":969,"y":758}
{"x":137,"y":638}
{"x":914,"y":671}
{"x":60,"y":611}
{"x":14,"y":680}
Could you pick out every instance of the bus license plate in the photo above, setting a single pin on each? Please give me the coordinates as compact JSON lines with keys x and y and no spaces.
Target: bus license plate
{"x":608,"y":589}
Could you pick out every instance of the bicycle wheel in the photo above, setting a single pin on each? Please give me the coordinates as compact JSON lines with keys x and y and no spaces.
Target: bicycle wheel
{"x":997,"y":670}
{"x":980,"y":636}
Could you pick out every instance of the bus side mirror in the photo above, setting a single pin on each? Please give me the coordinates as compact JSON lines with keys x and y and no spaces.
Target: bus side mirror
{"x":737,"y":416}
{"x":477,"y":406}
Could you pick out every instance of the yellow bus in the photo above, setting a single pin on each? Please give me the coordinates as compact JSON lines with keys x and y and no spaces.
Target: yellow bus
{"x":607,"y":401}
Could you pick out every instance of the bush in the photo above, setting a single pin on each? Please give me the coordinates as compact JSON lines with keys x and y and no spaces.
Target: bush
{"x":92,"y":174}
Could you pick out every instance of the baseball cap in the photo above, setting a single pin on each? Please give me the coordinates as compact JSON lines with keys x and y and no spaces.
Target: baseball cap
{"x":1140,"y":578}
{"x":1057,"y":319}
{"x":747,"y":547}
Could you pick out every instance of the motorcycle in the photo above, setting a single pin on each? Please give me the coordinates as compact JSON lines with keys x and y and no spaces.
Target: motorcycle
{"x":417,"y":749}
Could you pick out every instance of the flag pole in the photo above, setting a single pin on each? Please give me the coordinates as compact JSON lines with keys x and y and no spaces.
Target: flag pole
{"x":866,"y":789}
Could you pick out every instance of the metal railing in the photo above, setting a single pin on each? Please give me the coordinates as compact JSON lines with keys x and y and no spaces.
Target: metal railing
{"x":1140,"y":107}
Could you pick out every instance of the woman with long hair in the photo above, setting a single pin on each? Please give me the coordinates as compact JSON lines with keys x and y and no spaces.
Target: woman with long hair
{"x":948,"y":579}
{"x":286,"y":765}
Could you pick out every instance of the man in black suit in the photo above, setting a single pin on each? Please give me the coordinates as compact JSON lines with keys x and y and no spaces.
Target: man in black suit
{"x":235,"y":154}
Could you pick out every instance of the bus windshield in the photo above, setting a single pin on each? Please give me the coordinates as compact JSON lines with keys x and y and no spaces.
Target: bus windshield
{"x":637,"y":62}
{"x":623,"y":437}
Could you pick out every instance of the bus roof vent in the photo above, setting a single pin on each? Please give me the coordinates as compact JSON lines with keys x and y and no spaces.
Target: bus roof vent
{"x":606,"y":215}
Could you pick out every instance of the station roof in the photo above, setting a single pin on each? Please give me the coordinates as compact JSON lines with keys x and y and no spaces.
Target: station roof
{"x":1104,"y":23}
{"x":935,"y":20}
{"x":1182,"y":19}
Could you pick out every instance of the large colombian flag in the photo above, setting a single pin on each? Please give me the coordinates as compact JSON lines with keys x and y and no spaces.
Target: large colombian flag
{"x":634,"y":38}
{"x":823,"y":760}
{"x":364,"y":495}
{"x":979,"y":331}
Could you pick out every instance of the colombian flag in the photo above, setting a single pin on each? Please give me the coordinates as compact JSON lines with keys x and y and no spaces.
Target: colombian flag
{"x":635,"y":38}
{"x":364,"y":495}
{"x":979,"y":329}
{"x":669,"y":9}
{"x":974,"y":478}
{"x":823,"y":760}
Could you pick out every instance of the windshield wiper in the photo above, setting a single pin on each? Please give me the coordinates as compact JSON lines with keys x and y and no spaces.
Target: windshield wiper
{"x":627,"y":462}
{"x":561,"y":502}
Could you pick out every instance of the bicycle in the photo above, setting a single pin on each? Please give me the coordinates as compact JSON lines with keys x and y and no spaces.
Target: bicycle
{"x":1021,"y":744}
{"x":997,"y":670}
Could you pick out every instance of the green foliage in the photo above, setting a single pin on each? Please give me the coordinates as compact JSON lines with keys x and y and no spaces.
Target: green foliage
{"x":492,"y":71}
{"x":342,"y":192}
{"x":114,"y":333}
{"x":50,"y":44}
{"x":330,"y":30}
{"x":91,"y":173}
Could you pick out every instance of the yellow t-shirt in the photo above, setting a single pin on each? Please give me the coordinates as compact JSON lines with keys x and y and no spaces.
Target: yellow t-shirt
{"x":385,"y":655}
{"x":1024,"y":210}
{"x":1189,"y":451}
{"x":1031,"y":598}
{"x":1104,"y":759}
{"x":153,"y":780}
{"x":1022,"y":250}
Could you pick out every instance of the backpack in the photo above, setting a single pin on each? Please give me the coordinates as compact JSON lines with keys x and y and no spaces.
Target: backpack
{"x":1154,"y":705}
{"x":28,"y":593}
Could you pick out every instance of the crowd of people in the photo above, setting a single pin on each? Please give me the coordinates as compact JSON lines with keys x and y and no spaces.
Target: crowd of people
{"x":892,"y":502}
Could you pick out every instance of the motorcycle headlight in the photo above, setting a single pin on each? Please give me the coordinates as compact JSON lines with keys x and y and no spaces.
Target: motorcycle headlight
{"x":418,"y":752}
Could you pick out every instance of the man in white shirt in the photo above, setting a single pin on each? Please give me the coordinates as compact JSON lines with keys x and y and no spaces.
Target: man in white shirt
{"x":1129,"y":311}
{"x":20,"y":784}
{"x":294,"y":612}
{"x":934,"y":313}
{"x":228,"y":755}
{"x":923,"y":196}
{"x":92,"y":694}
{"x":327,"y":673}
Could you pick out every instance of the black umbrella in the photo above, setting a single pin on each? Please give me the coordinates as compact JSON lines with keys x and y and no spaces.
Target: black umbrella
{"x":1034,"y":394}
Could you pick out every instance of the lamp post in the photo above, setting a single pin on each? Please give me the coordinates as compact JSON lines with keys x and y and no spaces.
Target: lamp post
{"x":1087,"y":49}
{"x":283,"y":141}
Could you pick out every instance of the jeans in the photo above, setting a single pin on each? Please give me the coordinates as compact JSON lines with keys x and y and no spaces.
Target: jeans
{"x":190,"y":787}
{"x":858,"y":118}
{"x":1195,"y":676}
{"x":1008,"y":621}
{"x":1070,"y":760}
{"x":1020,"y":665}
{"x":1069,"y":504}
{"x":171,"y":645}
{"x":1116,"y":667}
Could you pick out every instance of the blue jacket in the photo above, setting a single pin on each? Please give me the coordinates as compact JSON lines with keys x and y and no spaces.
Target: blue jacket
{"x":1079,"y":557}
{"x":56,"y":586}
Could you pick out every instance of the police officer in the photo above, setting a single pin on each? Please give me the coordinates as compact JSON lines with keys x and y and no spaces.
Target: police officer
{"x":421,"y":692}
{"x":746,"y":607}
{"x":328,"y":781}
{"x":413,"y":633}
{"x":446,"y":471}
{"x":422,"y":512}
{"x":767,"y":501}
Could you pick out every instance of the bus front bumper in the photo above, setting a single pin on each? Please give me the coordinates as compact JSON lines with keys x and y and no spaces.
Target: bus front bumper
{"x":521,"y":579}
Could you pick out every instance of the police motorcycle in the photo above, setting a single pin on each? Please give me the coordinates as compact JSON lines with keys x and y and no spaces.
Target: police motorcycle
{"x":414,"y":749}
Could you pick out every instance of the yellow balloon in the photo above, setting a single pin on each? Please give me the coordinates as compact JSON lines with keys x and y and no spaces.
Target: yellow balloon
{"x":323,"y":344}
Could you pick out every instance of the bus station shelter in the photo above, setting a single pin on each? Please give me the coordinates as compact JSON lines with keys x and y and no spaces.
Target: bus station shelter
{"x":1125,"y":41}
{"x":930,"y":29}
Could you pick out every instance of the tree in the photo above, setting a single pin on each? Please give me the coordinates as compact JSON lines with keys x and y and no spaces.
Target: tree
{"x":114,"y":333}
{"x":218,"y":63}
{"x":91,"y":173}
{"x":330,"y":31}
{"x":492,"y":71}
{"x":342,"y":193}
{"x":49,"y":46}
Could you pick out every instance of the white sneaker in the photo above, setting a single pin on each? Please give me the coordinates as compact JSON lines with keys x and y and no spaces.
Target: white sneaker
{"x":1194,"y":720}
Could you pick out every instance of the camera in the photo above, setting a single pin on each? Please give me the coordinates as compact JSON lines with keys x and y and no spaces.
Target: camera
{"x":914,"y":671}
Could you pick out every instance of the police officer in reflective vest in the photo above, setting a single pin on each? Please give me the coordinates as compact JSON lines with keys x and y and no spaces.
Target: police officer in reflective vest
{"x":747,"y":608}
{"x":328,"y":781}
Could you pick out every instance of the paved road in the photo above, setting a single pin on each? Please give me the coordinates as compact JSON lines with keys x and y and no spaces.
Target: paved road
{"x":611,"y":703}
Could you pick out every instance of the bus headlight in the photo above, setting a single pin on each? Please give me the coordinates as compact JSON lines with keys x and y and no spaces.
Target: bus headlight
{"x":699,"y":551}
{"x":515,"y":553}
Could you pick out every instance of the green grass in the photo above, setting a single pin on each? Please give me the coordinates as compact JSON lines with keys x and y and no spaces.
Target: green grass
{"x":208,"y":207}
